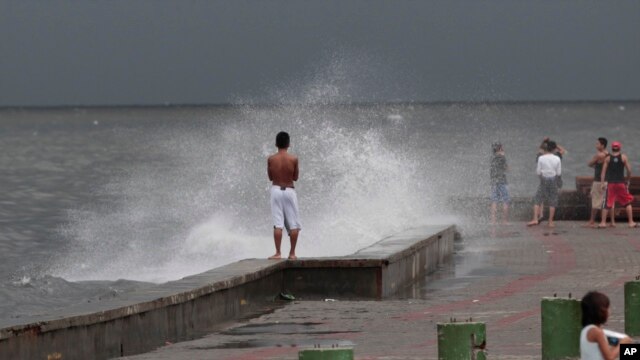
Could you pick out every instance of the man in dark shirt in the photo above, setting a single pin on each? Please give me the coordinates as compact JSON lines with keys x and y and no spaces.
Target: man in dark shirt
{"x":597,"y":191}
{"x":499,"y":189}
{"x":613,"y":170}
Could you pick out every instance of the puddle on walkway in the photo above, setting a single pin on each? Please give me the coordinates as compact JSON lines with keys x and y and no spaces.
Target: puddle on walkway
{"x":254,"y":343}
{"x":471,"y":261}
{"x":280,"y":328}
{"x":252,"y":312}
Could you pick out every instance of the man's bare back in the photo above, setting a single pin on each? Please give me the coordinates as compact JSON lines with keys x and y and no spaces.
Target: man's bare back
{"x":282,"y":168}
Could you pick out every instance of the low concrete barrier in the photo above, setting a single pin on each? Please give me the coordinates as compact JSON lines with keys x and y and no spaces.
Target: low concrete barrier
{"x":190,"y":307}
{"x":326,"y":354}
{"x":462,"y":341}
{"x":375,"y":272}
{"x":632,"y":307}
{"x":561,"y":325}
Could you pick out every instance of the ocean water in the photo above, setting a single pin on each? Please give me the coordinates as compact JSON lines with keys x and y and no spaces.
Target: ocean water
{"x":96,"y":202}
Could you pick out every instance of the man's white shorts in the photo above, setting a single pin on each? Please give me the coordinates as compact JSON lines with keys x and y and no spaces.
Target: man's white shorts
{"x":284,"y":208}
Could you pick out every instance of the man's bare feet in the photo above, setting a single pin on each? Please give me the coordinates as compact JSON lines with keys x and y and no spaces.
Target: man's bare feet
{"x":633,"y":225}
{"x":612,"y":225}
{"x":533,"y":223}
{"x":602,"y":226}
{"x":292,"y":257}
{"x":275,"y":257}
{"x":552,"y":224}
{"x":589,"y":225}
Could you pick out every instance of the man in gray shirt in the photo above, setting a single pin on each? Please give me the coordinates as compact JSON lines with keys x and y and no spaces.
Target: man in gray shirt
{"x":499,"y":188}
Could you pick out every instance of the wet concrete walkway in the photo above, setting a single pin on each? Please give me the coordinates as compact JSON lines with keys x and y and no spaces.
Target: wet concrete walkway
{"x":499,"y":276}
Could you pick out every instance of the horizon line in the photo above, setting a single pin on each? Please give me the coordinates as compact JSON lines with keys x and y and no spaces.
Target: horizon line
{"x":271,"y":104}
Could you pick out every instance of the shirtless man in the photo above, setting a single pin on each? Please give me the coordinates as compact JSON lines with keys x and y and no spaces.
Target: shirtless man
{"x":282,"y":169}
{"x":597,"y":192}
{"x":617,"y":187}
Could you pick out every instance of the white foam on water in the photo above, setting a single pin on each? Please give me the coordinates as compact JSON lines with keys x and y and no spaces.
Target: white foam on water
{"x":204,"y":202}
{"x":23,"y":281}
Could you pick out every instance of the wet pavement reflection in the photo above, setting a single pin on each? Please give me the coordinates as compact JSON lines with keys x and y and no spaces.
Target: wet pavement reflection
{"x":471,"y":262}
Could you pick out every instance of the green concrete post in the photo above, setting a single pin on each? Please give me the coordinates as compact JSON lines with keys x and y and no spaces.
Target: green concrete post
{"x":561,"y":327}
{"x":632,"y":308}
{"x":461,"y":341}
{"x":326,"y":354}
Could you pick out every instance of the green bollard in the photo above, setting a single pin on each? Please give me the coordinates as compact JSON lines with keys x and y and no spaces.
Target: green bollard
{"x":632,"y":308}
{"x":561,"y":327}
{"x":326,"y":354}
{"x":462,"y":341}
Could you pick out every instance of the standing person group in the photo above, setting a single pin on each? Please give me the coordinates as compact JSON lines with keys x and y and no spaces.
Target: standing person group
{"x":612,"y":175}
{"x":611,"y":185}
{"x":617,"y":183}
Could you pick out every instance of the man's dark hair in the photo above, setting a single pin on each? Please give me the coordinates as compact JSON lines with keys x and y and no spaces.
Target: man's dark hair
{"x":551,"y":145}
{"x":594,"y":308}
{"x":282,"y":140}
{"x":603,"y":141}
{"x":496,"y":146}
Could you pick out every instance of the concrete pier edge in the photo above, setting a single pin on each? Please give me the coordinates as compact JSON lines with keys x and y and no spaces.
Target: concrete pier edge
{"x":186,"y":308}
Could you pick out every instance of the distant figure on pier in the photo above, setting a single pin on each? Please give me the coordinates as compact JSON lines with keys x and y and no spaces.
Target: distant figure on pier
{"x":283,"y":170}
{"x":549,"y":169}
{"x":595,"y":341}
{"x":499,"y":189}
{"x":597,"y":191}
{"x":617,"y":185}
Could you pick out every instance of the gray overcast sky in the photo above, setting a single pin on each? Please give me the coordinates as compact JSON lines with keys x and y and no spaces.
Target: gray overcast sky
{"x":193,"y":52}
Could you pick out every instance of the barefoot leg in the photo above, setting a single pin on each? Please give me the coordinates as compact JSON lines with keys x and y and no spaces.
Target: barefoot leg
{"x":592,"y":218}
{"x":603,"y":218}
{"x":493,"y":212}
{"x":630,"y":216}
{"x":294,"y":240}
{"x":536,"y":211}
{"x":505,"y":213}
{"x":277,"y":239}
{"x":613,"y":216}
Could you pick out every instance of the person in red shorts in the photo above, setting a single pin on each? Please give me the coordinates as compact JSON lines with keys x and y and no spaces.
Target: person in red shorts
{"x":617,"y":188}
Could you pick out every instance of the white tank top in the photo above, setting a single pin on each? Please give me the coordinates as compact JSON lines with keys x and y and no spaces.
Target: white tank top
{"x":589,"y":350}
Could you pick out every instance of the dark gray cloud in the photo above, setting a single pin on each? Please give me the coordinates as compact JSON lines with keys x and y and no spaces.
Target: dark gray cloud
{"x":154,"y":52}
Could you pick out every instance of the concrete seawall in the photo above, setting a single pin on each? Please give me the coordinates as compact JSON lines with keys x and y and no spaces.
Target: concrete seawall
{"x":187,"y":308}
